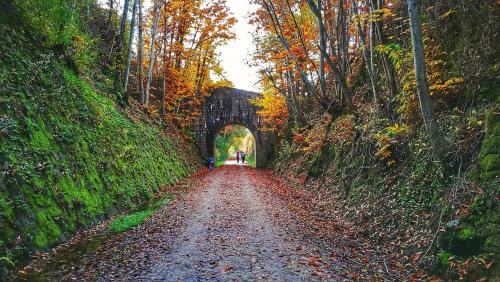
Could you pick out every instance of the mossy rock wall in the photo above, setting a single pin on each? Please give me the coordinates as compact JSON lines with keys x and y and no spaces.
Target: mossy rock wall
{"x":68,"y":156}
{"x":490,"y":150}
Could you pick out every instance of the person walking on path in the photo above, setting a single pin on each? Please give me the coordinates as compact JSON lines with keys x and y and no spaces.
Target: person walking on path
{"x":243,"y":155}
{"x":237,"y":156}
{"x":211,"y":164}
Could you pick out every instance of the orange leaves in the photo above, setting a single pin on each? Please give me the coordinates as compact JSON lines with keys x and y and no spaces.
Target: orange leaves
{"x":344,"y":131}
{"x":298,"y":28}
{"x":273,"y":111}
{"x":298,"y":138}
{"x":188,"y":36}
{"x":227,"y":268}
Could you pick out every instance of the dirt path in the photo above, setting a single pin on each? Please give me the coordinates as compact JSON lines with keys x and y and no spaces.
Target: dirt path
{"x":230,"y":235}
{"x":229,"y":226}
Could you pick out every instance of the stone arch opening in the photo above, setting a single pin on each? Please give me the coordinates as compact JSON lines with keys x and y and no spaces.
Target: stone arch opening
{"x":225,"y":106}
{"x":233,"y":138}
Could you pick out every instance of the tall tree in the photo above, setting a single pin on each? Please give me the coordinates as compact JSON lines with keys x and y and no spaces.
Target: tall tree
{"x":336,"y":71}
{"x":110,"y":15}
{"x":164,"y":84}
{"x":119,"y":55}
{"x":366,"y":56}
{"x":322,"y":44}
{"x":140,"y":48}
{"x":130,"y":41}
{"x":386,"y":62}
{"x":152,"y":50}
{"x":421,"y":79}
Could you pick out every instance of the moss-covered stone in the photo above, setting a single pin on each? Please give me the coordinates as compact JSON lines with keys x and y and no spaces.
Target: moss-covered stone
{"x":489,"y":165}
{"x":70,"y":156}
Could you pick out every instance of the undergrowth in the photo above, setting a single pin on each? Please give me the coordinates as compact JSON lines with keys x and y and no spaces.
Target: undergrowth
{"x":386,"y":180}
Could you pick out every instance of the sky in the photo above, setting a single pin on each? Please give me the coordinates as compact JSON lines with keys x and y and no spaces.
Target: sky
{"x":236,"y":52}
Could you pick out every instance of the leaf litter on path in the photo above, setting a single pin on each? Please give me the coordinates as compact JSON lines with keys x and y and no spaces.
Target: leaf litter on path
{"x":236,"y":223}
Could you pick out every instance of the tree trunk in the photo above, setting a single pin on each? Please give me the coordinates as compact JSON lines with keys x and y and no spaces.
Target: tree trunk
{"x":371,"y":32}
{"x":129,"y":51}
{"x":366,"y":56}
{"x":87,"y":14}
{"x":110,"y":15}
{"x":152,"y":51}
{"x":421,"y":80}
{"x":322,"y":43}
{"x":119,"y":56}
{"x":140,"y":54}
{"x":334,"y":68}
{"x":164,"y":87}
{"x":387,"y":64}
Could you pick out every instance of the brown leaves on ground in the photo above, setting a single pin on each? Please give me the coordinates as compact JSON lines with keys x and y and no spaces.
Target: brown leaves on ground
{"x":318,"y":214}
{"x":293,"y":228}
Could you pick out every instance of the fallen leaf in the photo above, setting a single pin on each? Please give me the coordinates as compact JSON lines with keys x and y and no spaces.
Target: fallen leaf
{"x":416,"y":256}
{"x":314,"y":261}
{"x":227,"y":268}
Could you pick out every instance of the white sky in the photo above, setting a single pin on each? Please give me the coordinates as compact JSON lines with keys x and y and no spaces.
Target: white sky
{"x":236,"y":52}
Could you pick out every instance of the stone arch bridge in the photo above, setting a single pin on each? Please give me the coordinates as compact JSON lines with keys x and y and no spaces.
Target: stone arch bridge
{"x":227,"y":106}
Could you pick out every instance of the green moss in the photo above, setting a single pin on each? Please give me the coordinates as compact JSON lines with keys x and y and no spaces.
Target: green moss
{"x":130,"y":221}
{"x":466,"y":233}
{"x":48,"y":232}
{"x":127,"y":222}
{"x":41,"y":140}
{"x":489,"y":165}
{"x":71,"y":156}
{"x":491,"y":145}
{"x":444,"y":258}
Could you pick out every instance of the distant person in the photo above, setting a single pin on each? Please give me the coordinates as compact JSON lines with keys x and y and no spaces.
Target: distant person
{"x":237,"y":156}
{"x":211,"y":164}
{"x":243,"y":155}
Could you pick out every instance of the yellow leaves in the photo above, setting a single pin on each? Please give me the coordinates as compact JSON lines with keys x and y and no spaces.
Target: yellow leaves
{"x":447,"y":14}
{"x":384,"y":143}
{"x":385,"y":151}
{"x":446,"y":88}
{"x":317,"y":137}
{"x":381,"y":14}
{"x":386,"y":12}
{"x":441,"y":86}
{"x":383,"y":139}
{"x":391,"y":135}
{"x":398,"y":130}
{"x":455,"y":81}
{"x":273,"y":111}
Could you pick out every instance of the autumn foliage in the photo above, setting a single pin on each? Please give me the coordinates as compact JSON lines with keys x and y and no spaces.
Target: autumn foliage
{"x":186,"y":63}
{"x":380,"y":103}
{"x":273,"y":111}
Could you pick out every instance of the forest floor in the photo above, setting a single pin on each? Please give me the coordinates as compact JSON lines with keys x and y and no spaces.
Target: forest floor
{"x":232,"y":224}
